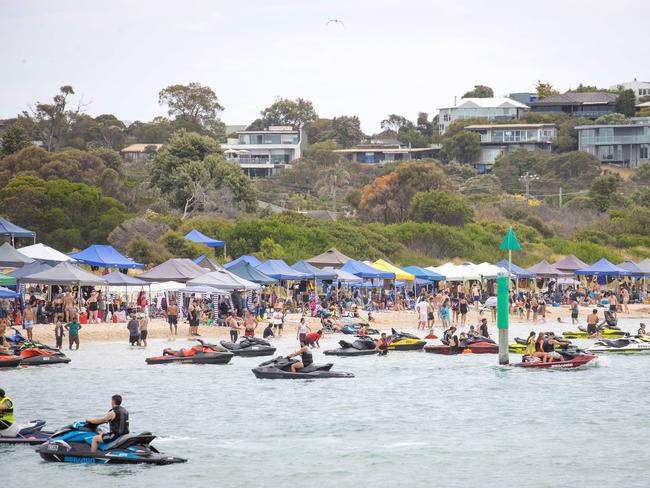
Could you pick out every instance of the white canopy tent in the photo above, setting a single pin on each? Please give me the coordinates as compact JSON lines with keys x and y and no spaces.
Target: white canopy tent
{"x":166,"y":286}
{"x":44,"y":253}
{"x":343,"y":276}
{"x":456,"y":272}
{"x":490,"y":271}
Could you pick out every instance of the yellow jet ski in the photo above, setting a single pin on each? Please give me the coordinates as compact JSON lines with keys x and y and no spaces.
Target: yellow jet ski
{"x":403,"y":341}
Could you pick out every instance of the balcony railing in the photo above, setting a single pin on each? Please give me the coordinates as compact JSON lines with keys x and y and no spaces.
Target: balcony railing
{"x":613,"y":140}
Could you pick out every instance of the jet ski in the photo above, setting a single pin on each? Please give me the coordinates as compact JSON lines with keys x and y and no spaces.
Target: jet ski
{"x":204,"y":353}
{"x":581,"y":333}
{"x":39,"y":355}
{"x":475,"y":344}
{"x":353,"y":329}
{"x":249,"y":347}
{"x":364,"y":346}
{"x":519,"y":346}
{"x":403,"y":341}
{"x":72,"y":443}
{"x":30,"y":433}
{"x":627,"y":345}
{"x":280,"y":368}
{"x":571,"y":358}
{"x":9,"y":360}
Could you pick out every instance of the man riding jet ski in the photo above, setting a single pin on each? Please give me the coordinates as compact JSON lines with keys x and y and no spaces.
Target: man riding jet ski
{"x":249,"y":347}
{"x":202,"y":354}
{"x":519,"y":346}
{"x":627,"y":345}
{"x":355,"y":328}
{"x":363,"y":346}
{"x":82,"y":443}
{"x":303,"y":368}
{"x":606,"y":328}
{"x":563,"y":358}
{"x":403,"y":341}
{"x":13,"y":433}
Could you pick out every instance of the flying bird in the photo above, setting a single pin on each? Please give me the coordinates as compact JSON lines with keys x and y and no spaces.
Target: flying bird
{"x":335,"y":21}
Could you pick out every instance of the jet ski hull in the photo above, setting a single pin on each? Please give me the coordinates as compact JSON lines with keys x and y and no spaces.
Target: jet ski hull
{"x":407,"y":345}
{"x":249,"y":352}
{"x":350,"y":352}
{"x":10,"y":361}
{"x":29,"y":434}
{"x":45,"y":360}
{"x":579,"y":334}
{"x":62,"y":452}
{"x":278,"y":374}
{"x":620,"y":346}
{"x":576,"y":362}
{"x":442,"y":349}
{"x":208,"y":358}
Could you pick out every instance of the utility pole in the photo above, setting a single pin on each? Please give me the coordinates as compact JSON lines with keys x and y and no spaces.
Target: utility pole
{"x":527,"y":178}
{"x":560,"y":197}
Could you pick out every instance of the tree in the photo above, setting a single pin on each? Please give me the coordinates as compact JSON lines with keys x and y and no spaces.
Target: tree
{"x":178,"y":246}
{"x":346,"y":131}
{"x":395,"y":123}
{"x":625,"y":103}
{"x":642,"y":175}
{"x":603,"y":191}
{"x":567,"y":135}
{"x":611,"y":119}
{"x":488,"y":184}
{"x":545,"y":90}
{"x":193,"y":102}
{"x":296,"y":113}
{"x":464,"y":147}
{"x":480,"y":91}
{"x":441,"y":207}
{"x":158,"y":131}
{"x":584,"y":89}
{"x":52,"y":120}
{"x":424,"y":125}
{"x":510,"y":167}
{"x":13,"y":139}
{"x":143,"y":250}
{"x":317,"y":131}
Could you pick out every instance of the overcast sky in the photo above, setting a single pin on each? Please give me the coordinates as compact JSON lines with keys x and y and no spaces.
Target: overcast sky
{"x":391,"y":57}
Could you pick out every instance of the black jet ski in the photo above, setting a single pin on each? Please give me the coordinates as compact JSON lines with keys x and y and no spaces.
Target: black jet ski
{"x":40,"y":355}
{"x":280,"y":368}
{"x":249,"y":347}
{"x":9,"y":360}
{"x":403,"y":341}
{"x":363,"y":346}
{"x":204,"y":353}
{"x":72,"y":443}
{"x":31,"y":433}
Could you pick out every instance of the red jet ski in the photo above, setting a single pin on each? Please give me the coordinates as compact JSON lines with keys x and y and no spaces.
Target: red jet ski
{"x":570,"y":359}
{"x":9,"y":361}
{"x":202,"y":354}
{"x":475,"y":344}
{"x":38,"y":356}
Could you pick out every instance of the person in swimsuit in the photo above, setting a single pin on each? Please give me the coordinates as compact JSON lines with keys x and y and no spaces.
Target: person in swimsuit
{"x":268,"y":332}
{"x":592,"y":325}
{"x":382,"y":344}
{"x":28,"y":325}
{"x":534,"y":305}
{"x":305,"y":356}
{"x":144,"y":325}
{"x":303,"y":329}
{"x":250,"y":324}
{"x":232,"y":322}
{"x":68,"y":305}
{"x":574,"y":312}
{"x":626,"y":300}
{"x":93,"y":308}
{"x":613,"y":304}
{"x":641,"y":332}
{"x":463,"y":308}
{"x":172,"y":318}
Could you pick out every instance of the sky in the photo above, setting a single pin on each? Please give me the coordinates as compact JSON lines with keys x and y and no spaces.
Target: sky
{"x":389,"y":57}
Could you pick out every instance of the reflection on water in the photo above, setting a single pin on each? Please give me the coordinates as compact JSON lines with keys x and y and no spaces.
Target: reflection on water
{"x":408,"y":419}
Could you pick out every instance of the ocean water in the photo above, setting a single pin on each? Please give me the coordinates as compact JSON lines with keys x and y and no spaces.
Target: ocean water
{"x":409,"y":419}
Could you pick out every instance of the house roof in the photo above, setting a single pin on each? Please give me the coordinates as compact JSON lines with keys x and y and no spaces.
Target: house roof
{"x":140,"y":147}
{"x":493,"y":102}
{"x":578,"y":98}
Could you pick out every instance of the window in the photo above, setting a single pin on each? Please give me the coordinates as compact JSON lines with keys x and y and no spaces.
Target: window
{"x":260,"y":139}
{"x":643,"y":152}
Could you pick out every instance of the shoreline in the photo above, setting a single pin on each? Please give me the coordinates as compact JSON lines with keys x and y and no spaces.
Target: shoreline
{"x":384,"y":321}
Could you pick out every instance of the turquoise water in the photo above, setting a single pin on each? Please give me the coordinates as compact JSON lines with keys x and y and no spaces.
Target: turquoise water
{"x":408,"y":419}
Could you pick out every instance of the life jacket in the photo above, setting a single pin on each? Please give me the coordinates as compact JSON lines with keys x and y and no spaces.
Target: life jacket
{"x":120,"y":424}
{"x":7,"y":416}
{"x":547,"y":346}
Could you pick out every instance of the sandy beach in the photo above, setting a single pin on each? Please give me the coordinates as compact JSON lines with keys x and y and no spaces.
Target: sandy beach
{"x":384,"y":321}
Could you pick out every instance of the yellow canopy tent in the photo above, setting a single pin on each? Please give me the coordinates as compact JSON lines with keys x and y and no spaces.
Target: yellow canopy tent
{"x":400,"y":274}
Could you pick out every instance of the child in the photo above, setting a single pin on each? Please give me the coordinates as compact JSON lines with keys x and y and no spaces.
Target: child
{"x":58,"y":333}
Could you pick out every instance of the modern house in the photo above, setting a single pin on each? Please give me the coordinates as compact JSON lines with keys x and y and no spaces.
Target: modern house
{"x":502,"y":138}
{"x":496,"y":108}
{"x":524,"y":97}
{"x":387,"y":151}
{"x":624,"y":144}
{"x":578,"y":104}
{"x":140,"y":153}
{"x":264,"y":152}
{"x":640,"y":88}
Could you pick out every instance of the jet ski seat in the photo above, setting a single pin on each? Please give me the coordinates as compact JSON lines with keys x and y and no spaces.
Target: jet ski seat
{"x":122,"y":440}
{"x":616,"y":343}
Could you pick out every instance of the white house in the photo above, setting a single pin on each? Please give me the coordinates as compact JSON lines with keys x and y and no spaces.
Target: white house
{"x":495,"y":108}
{"x":640,"y":88}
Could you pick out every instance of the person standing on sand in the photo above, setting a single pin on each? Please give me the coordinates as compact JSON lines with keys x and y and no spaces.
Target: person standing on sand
{"x":144,"y":325}
{"x":613,"y":303}
{"x":68,"y":306}
{"x":422,"y":308}
{"x":463,"y":309}
{"x":626,"y":300}
{"x":431,"y":313}
{"x":172,"y":318}
{"x":28,"y":324}
{"x":73,"y":328}
{"x":476,"y":297}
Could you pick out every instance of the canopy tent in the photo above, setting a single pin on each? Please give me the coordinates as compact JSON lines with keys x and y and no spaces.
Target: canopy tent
{"x":44,"y":253}
{"x":517,"y":271}
{"x":602,"y":268}
{"x":278,"y":269}
{"x":65,"y":273}
{"x":490,"y":271}
{"x":368,"y":285}
{"x":313,"y":272}
{"x":10,"y":258}
{"x":208,"y":263}
{"x":633,"y":268}
{"x":343,"y":276}
{"x":200,"y":238}
{"x":456,"y":272}
{"x":363,"y":270}
{"x":544,"y":269}
{"x":166,"y":286}
{"x":203,"y":290}
{"x":399,"y":273}
{"x":120,"y":279}
{"x":250,"y":273}
{"x":570,"y":263}
{"x":179,"y":269}
{"x":424,"y":274}
{"x":332,"y":257}
{"x":7,"y":293}
{"x":223,"y":280}
{"x":252,"y":260}
{"x":30,"y":269}
{"x":645,"y":266}
{"x":13,"y":231}
{"x":104,"y":256}
{"x":6,"y":280}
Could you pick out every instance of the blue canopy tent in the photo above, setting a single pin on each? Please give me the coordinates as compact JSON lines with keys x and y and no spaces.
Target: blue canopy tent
{"x":30,"y":269}
{"x":313,"y":272}
{"x":518,"y":271}
{"x":424,"y":274}
{"x":248,"y":272}
{"x":363,"y":270}
{"x":200,"y":238}
{"x":13,"y":231}
{"x":252,"y":260}
{"x":7,"y":293}
{"x":104,"y":256}
{"x":278,"y":269}
{"x":603,"y":268}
